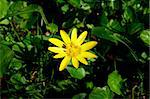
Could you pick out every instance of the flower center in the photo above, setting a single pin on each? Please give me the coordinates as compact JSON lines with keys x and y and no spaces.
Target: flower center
{"x":72,"y":50}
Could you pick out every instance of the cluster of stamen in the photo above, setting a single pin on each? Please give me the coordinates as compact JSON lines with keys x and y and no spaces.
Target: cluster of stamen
{"x":72,"y":50}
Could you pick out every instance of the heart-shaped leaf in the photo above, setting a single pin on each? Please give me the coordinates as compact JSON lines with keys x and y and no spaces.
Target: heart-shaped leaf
{"x":115,"y":82}
{"x":76,"y":73}
{"x":101,"y":93}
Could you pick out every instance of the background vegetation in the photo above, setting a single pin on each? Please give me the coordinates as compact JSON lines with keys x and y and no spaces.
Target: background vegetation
{"x":121,"y":28}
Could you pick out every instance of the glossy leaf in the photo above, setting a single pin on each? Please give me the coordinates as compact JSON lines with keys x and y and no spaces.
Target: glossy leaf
{"x":79,"y":96}
{"x":115,"y":82}
{"x":144,"y":55}
{"x":116,"y":26}
{"x":18,"y":79}
{"x":128,"y":14}
{"x":101,"y":93}
{"x":65,"y":8}
{"x":52,"y":27}
{"x":15,"y":64}
{"x":89,"y":85}
{"x":101,"y":32}
{"x":76,"y":73}
{"x":75,"y":3}
{"x":60,"y":1}
{"x":4,"y":5}
{"x":85,"y":6}
{"x":63,"y":84}
{"x":5,"y":21}
{"x":134,"y":28}
{"x":145,"y":36}
{"x":19,"y":9}
{"x":6,"y":55}
{"x":103,"y":20}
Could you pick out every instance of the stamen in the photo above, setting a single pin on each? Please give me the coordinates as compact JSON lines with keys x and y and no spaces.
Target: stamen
{"x":72,"y":50}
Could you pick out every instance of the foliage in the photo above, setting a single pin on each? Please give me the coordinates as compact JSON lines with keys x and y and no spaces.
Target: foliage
{"x":101,"y":93}
{"x":28,"y":69}
{"x":76,"y":73}
{"x":114,"y":82}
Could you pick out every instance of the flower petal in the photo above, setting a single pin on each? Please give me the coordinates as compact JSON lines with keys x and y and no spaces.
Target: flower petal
{"x":82,"y":59}
{"x":88,"y":55}
{"x":64,"y":36}
{"x":56,"y":49}
{"x":56,"y":42}
{"x":60,"y":55}
{"x":88,"y":45}
{"x":82,"y":37}
{"x":75,"y":62}
{"x":64,"y":63}
{"x":74,"y":35}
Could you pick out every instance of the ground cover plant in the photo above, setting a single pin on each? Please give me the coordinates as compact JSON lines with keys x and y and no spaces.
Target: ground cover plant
{"x":79,"y":49}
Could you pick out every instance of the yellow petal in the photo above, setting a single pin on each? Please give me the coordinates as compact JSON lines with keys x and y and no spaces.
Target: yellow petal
{"x":74,"y":35}
{"x":56,"y":42}
{"x":56,"y":49}
{"x":64,"y":63}
{"x":82,"y":59}
{"x":88,"y":55}
{"x":88,"y":45}
{"x":75,"y":62}
{"x":60,"y":55}
{"x":64,"y":36}
{"x":82,"y":37}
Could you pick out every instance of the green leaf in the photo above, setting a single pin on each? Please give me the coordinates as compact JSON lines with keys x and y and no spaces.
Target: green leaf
{"x":30,"y":8}
{"x":3,"y":8}
{"x":17,"y":46}
{"x":68,"y":23}
{"x":52,"y":27}
{"x":128,"y":14}
{"x":27,"y":21}
{"x":75,"y":3}
{"x":145,"y":36}
{"x":101,"y":32}
{"x":101,"y":93}
{"x":115,"y":82}
{"x":124,"y":41}
{"x":144,"y":55}
{"x":5,"y":21}
{"x":115,"y":25}
{"x":1,"y":38}
{"x":16,"y":6}
{"x":18,"y":79}
{"x":30,"y":88}
{"x":22,"y":9}
{"x":6,"y":55}
{"x":134,"y":28}
{"x":89,"y":85}
{"x":60,"y":1}
{"x":65,"y":8}
{"x":85,"y":6}
{"x":79,"y":96}
{"x":91,"y":3}
{"x":19,"y":8}
{"x":76,"y":73}
{"x":18,"y":87}
{"x":103,"y":20}
{"x":64,"y":83}
{"x":15,"y":64}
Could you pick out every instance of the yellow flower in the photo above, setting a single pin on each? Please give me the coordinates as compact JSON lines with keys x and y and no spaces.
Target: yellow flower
{"x":72,"y":49}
